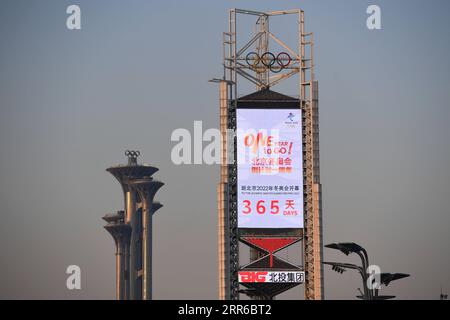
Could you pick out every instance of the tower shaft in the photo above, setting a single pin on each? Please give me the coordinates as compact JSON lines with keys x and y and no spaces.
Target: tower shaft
{"x":130,"y":204}
{"x":146,"y":189}
{"x":147,"y":250}
{"x":223,"y":233}
{"x":121,"y":234}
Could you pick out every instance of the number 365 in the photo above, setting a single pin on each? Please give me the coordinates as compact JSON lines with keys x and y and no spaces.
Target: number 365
{"x":261,"y":207}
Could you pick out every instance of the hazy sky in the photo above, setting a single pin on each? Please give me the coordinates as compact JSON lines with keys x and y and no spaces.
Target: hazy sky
{"x":71,"y":102}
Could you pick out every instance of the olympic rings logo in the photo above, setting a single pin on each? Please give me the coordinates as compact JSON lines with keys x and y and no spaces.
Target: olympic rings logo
{"x":268,"y":61}
{"x":132,"y":154}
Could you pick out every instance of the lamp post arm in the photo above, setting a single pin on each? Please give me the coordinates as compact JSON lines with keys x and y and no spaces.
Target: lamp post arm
{"x":360,"y":270}
{"x":365,"y":255}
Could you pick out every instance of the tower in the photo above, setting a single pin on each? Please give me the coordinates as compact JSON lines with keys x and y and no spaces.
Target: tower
{"x":240,"y":219}
{"x":132,"y":228}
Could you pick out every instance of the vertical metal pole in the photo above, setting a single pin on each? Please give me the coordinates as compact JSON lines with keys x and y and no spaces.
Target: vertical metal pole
{"x":230,"y":49}
{"x":302,"y":77}
{"x":262,"y":47}
{"x":235,"y":58}
{"x":231,"y":210}
{"x":365,"y":265}
{"x":311,"y":260}
{"x":223,"y":233}
{"x":301,"y":98}
{"x":235,"y":295}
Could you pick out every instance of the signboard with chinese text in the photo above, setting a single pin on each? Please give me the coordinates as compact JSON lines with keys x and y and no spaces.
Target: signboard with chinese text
{"x":270,"y":173}
{"x":271,"y":276}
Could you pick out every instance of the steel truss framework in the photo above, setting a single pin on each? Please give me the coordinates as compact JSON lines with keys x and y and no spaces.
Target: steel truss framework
{"x":234,"y":69}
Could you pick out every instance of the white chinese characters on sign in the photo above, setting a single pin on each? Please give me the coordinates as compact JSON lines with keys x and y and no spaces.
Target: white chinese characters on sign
{"x":271,"y":276}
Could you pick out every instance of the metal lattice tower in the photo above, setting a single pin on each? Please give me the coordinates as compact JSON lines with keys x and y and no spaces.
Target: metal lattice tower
{"x":234,"y":70}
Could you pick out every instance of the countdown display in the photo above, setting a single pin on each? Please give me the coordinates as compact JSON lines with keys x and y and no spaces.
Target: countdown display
{"x":269,"y":155}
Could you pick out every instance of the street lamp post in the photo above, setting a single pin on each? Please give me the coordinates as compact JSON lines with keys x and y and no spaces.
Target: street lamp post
{"x":385,"y":278}
{"x":351,"y":247}
{"x":341,"y":267}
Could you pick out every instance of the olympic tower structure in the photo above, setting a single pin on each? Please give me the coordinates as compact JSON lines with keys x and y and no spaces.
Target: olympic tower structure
{"x":269,"y":194}
{"x":131,"y":228}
